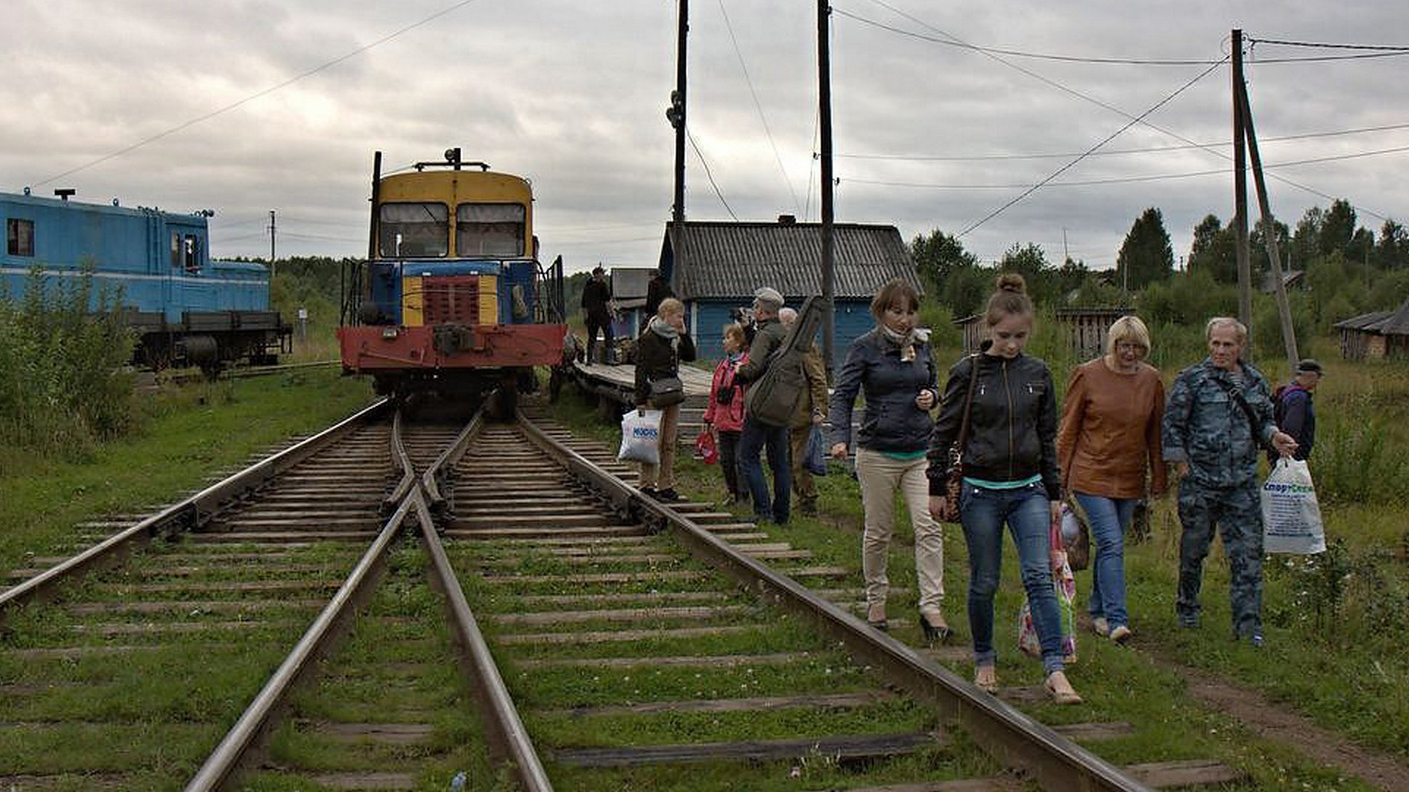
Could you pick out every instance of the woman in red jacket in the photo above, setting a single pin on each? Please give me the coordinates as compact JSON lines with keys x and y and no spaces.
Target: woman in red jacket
{"x":725,"y":414}
{"x":1109,"y":438}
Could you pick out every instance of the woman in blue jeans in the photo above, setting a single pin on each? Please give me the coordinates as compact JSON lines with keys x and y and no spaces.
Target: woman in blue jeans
{"x":1009,"y":460}
{"x":1109,"y":438}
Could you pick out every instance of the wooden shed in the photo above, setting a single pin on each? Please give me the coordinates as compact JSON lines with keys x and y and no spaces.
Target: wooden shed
{"x":1377,"y":335}
{"x":725,"y":262}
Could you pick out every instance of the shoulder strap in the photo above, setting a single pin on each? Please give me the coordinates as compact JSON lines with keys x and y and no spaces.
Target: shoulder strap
{"x":1253,"y":424}
{"x":968,"y":404}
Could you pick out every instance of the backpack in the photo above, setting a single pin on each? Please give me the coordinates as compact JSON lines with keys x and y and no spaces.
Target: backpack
{"x":774,"y":397}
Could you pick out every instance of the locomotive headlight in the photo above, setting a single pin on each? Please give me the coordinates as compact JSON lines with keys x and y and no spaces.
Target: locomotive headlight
{"x":388,"y":333}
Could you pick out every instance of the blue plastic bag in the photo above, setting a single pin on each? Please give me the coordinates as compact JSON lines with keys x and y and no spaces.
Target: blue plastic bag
{"x":816,"y":461}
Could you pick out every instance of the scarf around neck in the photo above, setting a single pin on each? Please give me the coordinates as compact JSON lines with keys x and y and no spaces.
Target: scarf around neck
{"x":906,"y":341}
{"x":665,"y":330}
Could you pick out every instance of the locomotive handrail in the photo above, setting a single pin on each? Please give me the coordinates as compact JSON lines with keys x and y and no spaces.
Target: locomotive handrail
{"x":184,"y":515}
{"x":1010,"y":736}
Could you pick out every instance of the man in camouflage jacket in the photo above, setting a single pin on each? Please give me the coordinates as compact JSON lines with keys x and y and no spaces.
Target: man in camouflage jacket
{"x":1218,"y":415}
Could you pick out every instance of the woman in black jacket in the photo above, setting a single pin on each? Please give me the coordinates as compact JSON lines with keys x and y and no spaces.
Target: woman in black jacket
{"x":1010,"y":475}
{"x":662,"y":345}
{"x":894,"y":366}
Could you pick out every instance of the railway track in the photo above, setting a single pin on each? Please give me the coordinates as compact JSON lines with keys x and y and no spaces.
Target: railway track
{"x":317,"y":642}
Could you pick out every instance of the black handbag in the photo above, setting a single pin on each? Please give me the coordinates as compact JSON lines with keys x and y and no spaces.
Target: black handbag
{"x":666,"y":391}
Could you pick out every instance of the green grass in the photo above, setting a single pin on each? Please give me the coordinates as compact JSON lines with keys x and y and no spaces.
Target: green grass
{"x":1341,"y":668}
{"x":191,"y":432}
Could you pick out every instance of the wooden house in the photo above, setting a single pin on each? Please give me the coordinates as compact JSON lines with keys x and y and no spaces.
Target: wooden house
{"x":725,"y":262}
{"x":1377,"y":335}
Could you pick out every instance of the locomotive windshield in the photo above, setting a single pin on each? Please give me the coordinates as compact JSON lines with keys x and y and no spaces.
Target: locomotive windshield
{"x":489,"y":229}
{"x":414,"y":229}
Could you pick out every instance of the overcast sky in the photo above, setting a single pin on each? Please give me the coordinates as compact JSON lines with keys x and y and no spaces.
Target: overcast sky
{"x":243,"y":106}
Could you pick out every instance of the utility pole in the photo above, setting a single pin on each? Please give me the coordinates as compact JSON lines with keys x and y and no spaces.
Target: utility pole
{"x":1269,"y":232}
{"x":271,"y":245}
{"x":824,"y":97}
{"x":676,"y":114}
{"x":1240,"y":196}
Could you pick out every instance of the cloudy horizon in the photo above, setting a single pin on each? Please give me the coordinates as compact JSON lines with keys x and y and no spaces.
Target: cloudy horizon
{"x":253,"y":106}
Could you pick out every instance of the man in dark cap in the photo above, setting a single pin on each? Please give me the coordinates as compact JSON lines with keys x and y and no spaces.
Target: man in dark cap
{"x":596,"y":312}
{"x":1293,"y":409}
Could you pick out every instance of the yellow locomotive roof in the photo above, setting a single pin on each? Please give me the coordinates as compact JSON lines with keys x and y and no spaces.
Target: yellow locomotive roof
{"x":456,"y":186}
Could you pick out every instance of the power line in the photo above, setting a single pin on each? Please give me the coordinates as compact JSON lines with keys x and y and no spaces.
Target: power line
{"x":1114,"y":152}
{"x":259,"y":94}
{"x":1109,"y":138}
{"x":1114,"y":109}
{"x":754,"y":93}
{"x":1385,"y":51}
{"x":710,"y":175}
{"x":1132,"y":179}
{"x":1321,"y":45}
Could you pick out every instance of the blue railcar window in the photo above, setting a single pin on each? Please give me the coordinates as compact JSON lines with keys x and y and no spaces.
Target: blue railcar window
{"x":410,"y":230}
{"x":489,"y":229}
{"x":19,"y":237}
{"x":176,"y":248}
{"x":191,"y":252}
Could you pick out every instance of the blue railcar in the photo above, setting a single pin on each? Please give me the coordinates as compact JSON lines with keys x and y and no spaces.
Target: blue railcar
{"x":186,"y":308}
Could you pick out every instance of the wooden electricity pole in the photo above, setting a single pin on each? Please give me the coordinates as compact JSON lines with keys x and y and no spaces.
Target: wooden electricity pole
{"x":1240,"y":196}
{"x":1269,"y":231}
{"x":824,"y":94}
{"x":676,"y":114}
{"x":271,"y":246}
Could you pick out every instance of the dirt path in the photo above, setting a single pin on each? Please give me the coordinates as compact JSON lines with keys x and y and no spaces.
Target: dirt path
{"x":1275,"y":722}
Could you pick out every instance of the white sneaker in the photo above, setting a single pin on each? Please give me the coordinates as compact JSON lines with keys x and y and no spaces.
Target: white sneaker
{"x":1101,"y":626}
{"x":1121,"y":634}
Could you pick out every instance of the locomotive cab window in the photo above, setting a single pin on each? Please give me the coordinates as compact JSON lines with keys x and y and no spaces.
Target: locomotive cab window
{"x":408,"y":230}
{"x":489,"y":229}
{"x":19,"y":237}
{"x":191,"y":253}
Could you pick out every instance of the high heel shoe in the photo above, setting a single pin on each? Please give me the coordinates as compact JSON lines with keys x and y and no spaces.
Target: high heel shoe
{"x":933,"y":634}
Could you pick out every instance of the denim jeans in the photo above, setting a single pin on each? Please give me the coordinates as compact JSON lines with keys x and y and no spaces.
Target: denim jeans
{"x":751,"y":442}
{"x":1109,"y":517}
{"x":1028,"y":514}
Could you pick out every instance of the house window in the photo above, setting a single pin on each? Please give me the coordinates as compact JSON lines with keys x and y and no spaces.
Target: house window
{"x":19,"y":237}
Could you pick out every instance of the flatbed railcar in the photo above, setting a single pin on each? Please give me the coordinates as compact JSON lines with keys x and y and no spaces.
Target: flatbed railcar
{"x":453,"y":298}
{"x":185,"y":308}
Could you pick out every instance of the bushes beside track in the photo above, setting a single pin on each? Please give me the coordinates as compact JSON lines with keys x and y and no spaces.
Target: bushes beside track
{"x":62,"y":384}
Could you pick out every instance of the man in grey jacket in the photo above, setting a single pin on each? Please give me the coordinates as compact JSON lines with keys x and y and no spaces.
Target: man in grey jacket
{"x":756,"y":434}
{"x":1218,"y":414}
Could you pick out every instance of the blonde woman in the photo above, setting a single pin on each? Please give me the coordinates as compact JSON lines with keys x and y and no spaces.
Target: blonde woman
{"x":662,"y":345}
{"x":1109,"y":439}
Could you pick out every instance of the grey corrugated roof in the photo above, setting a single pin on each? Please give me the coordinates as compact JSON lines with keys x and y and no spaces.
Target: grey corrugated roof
{"x":734,"y":259}
{"x":1394,"y":322}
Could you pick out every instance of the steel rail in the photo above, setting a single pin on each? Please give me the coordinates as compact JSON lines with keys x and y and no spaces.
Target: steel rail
{"x":408,"y":471}
{"x":507,"y":735}
{"x":219,"y":769}
{"x":181,"y":516}
{"x":1011,"y":737}
{"x":436,"y":473}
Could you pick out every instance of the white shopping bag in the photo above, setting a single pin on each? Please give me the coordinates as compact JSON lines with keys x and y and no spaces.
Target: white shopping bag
{"x":1291,"y":518}
{"x":640,"y":437}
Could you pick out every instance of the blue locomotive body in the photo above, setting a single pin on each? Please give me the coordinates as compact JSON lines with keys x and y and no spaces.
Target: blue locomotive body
{"x":186,"y":307}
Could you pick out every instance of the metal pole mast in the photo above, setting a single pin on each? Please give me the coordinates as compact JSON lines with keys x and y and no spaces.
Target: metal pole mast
{"x":824,"y":95}
{"x":271,"y":245}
